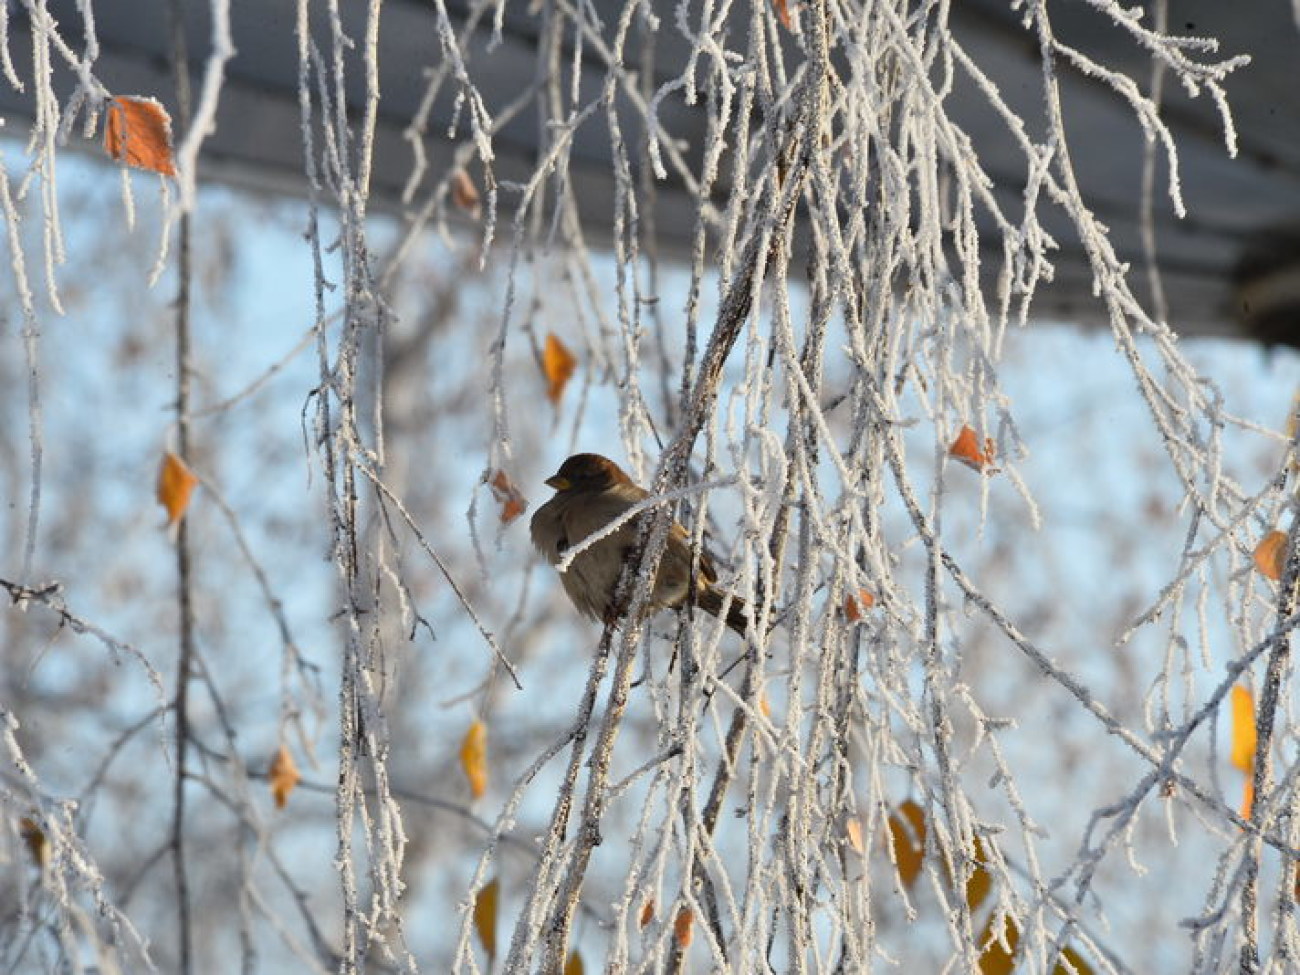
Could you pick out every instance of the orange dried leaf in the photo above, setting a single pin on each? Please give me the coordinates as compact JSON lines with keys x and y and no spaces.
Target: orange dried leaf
{"x":647,"y":912}
{"x":513,"y":503}
{"x":856,"y":604}
{"x":284,"y":776}
{"x":682,"y":926}
{"x":37,"y":844}
{"x":853,"y":831}
{"x":907,"y":840}
{"x":465,"y":194}
{"x":966,"y":448}
{"x":176,"y":483}
{"x":764,"y":705}
{"x":998,"y":956}
{"x":139,"y":133}
{"x":473,"y":758}
{"x":573,"y":965}
{"x":783,"y":13}
{"x":1270,"y":554}
{"x":1243,"y":729}
{"x":979,"y":884}
{"x":558,"y":364}
{"x":485,"y":916}
{"x":1248,"y":798}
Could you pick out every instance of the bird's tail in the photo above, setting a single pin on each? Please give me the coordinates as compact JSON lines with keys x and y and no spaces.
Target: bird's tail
{"x":711,"y":600}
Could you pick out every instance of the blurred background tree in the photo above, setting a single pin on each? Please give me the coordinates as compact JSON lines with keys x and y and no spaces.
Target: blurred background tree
{"x":985,"y":716}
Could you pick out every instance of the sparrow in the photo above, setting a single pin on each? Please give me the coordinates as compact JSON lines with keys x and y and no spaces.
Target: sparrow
{"x":590,"y":492}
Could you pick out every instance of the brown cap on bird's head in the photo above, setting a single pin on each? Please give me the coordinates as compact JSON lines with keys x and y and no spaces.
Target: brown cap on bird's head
{"x":589,"y":472}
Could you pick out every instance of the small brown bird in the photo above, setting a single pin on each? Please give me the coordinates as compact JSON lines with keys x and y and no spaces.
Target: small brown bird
{"x":590,"y":492}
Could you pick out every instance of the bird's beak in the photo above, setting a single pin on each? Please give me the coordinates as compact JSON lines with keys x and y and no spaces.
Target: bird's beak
{"x":557,"y":482}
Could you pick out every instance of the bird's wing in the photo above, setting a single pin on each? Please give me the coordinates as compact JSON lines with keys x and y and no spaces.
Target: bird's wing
{"x":588,"y":514}
{"x":547,"y":529}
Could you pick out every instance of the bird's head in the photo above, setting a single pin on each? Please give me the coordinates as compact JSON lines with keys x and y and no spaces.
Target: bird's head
{"x":587,"y":472}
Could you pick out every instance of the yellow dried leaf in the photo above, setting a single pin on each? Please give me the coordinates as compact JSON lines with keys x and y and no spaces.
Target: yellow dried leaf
{"x":997,"y":957}
{"x":979,"y":884}
{"x":1270,"y":555}
{"x":1292,"y":424}
{"x":485,"y":916}
{"x":558,"y":364}
{"x":907,"y":840}
{"x":1076,"y":966}
{"x":138,"y":132}
{"x":853,"y":832}
{"x":176,"y":483}
{"x":573,"y":965}
{"x":284,"y":776}
{"x":473,"y":758}
{"x":513,"y":503}
{"x":1243,"y":729}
